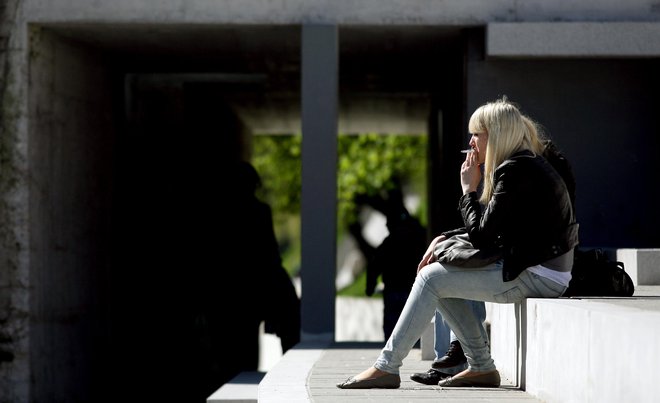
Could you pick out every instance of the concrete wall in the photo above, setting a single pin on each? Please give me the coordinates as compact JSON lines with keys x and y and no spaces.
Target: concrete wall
{"x":71,"y":137}
{"x":14,"y":247}
{"x":120,"y":194}
{"x":602,"y":114}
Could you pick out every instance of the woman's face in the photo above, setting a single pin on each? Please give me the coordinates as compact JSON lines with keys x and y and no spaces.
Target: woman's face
{"x":479,"y":143}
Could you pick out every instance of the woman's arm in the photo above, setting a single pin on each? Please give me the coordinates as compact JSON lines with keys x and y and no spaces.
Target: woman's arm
{"x":429,"y":257}
{"x":487,"y":226}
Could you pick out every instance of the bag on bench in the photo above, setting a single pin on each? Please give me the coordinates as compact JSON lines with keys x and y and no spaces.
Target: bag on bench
{"x":594,"y":275}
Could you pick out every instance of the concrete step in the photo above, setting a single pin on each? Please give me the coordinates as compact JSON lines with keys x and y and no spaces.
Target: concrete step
{"x":243,"y":388}
{"x":581,"y":349}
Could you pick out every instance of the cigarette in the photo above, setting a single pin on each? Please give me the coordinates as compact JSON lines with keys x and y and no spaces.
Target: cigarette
{"x":469,"y":150}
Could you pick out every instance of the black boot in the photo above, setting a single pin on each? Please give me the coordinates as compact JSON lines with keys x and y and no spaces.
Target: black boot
{"x":453,"y":357}
{"x":430,"y":377}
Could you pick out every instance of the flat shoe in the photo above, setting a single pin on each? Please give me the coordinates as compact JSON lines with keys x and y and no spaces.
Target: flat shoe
{"x":389,"y":381}
{"x":487,"y":380}
{"x":430,"y":377}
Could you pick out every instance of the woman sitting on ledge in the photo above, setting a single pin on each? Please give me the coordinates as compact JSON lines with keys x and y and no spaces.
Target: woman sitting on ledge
{"x":524,"y":224}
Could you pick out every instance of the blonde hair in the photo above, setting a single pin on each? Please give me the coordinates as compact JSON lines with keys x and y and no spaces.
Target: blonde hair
{"x":509,"y":131}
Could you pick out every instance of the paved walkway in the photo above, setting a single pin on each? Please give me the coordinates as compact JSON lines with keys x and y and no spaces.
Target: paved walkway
{"x":342,"y":360}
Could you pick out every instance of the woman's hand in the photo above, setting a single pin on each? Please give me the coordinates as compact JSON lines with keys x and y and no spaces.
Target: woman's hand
{"x":470,"y":173}
{"x":428,"y":255}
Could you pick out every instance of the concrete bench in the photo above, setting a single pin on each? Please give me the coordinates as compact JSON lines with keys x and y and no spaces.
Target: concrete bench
{"x":599,"y":349}
{"x":643,"y":265}
{"x":582,"y":349}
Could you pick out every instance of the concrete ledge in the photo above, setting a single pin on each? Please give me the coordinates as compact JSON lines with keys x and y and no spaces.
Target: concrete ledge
{"x":505,"y":339}
{"x":287,"y":382}
{"x":243,"y":388}
{"x":592,"y":350}
{"x":580,"y":350}
{"x":573,"y":39}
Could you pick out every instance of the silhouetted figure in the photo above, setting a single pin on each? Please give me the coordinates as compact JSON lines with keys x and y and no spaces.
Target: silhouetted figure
{"x":280,"y":308}
{"x":243,"y":282}
{"x":396,"y":258}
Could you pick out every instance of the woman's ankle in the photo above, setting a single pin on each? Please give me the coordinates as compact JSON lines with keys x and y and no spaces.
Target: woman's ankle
{"x":370,"y":373}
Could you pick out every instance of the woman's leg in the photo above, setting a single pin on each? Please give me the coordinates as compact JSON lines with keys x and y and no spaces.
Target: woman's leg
{"x":475,"y":345}
{"x":446,"y":288}
{"x":435,"y":282}
{"x":448,"y":339}
{"x":469,"y":329}
{"x":479,"y":308}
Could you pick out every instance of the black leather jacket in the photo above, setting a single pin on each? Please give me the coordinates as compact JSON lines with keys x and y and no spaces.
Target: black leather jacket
{"x":530,"y":218}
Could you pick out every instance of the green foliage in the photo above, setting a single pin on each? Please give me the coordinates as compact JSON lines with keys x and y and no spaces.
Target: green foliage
{"x":367,"y":164}
{"x":277,"y":159}
{"x":371,"y":163}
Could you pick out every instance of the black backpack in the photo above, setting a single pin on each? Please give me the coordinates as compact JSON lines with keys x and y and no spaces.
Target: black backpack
{"x":594,"y":275}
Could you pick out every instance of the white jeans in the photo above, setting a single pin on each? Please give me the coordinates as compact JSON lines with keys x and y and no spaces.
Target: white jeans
{"x":446,"y":288}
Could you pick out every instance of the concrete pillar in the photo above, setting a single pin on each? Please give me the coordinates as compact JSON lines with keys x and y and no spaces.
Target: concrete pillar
{"x":319,"y":68}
